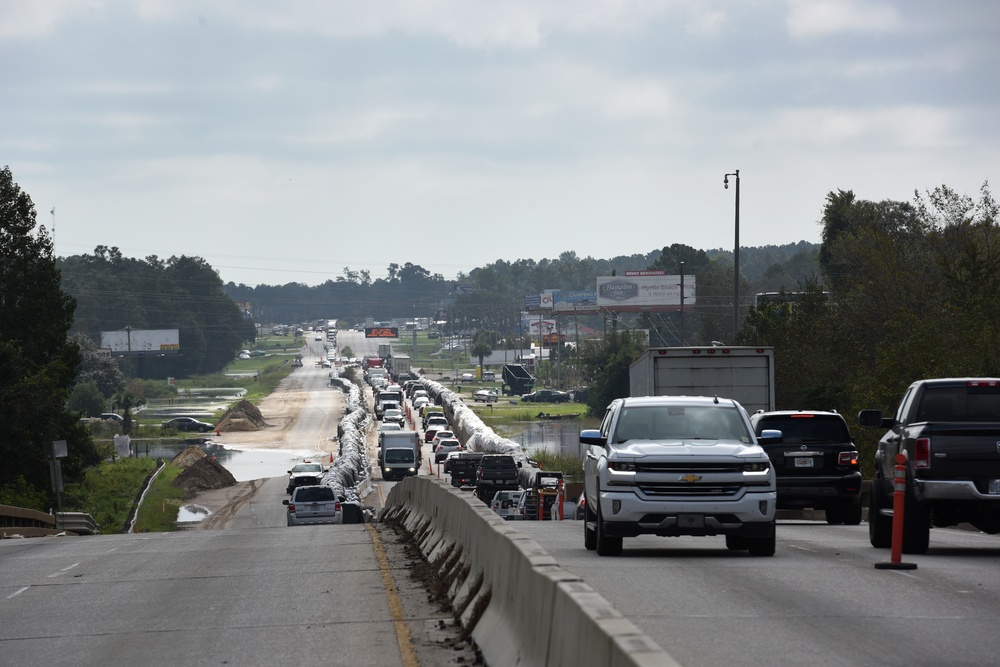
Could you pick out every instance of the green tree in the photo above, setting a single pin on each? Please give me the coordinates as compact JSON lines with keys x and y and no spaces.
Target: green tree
{"x":127,"y":402}
{"x":38,"y":364}
{"x":87,"y":399}
{"x":482,"y":344}
{"x":604,"y":366}
{"x":98,"y":368}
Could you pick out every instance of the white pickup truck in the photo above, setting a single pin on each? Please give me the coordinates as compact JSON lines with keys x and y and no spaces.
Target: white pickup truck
{"x":674,"y":465}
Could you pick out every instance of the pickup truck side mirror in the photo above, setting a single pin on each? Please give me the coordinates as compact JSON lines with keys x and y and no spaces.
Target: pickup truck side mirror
{"x":875,"y":418}
{"x":770,"y":436}
{"x":592,"y":436}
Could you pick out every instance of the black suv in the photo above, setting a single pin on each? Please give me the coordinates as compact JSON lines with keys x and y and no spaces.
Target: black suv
{"x":816,"y":462}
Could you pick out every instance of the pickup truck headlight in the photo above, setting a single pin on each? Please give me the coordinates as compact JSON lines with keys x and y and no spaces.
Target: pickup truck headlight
{"x":621,"y":466}
{"x":757,"y":467}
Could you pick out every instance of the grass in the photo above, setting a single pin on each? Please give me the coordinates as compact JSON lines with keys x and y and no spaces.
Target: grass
{"x":108,"y":491}
{"x":571,"y":466}
{"x":159,"y":510}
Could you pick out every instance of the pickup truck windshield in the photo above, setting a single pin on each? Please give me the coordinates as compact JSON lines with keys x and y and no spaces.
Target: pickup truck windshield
{"x":965,"y":403}
{"x":676,"y":422}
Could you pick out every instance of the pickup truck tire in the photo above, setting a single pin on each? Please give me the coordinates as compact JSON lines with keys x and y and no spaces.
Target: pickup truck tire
{"x":606,"y":545}
{"x":916,"y":526}
{"x":589,"y":534}
{"x":762,"y":546}
{"x":879,"y":526}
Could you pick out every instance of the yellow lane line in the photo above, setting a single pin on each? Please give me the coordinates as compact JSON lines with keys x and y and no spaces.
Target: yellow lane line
{"x":406,"y":651}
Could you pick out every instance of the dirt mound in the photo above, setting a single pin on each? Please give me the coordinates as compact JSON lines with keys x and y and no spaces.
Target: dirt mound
{"x":191,"y":455}
{"x":204,"y":474}
{"x":244,"y":416}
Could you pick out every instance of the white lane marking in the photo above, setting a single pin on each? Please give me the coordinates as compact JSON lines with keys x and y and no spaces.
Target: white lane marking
{"x":63,"y":571}
{"x":15,"y":594}
{"x":795,"y":546}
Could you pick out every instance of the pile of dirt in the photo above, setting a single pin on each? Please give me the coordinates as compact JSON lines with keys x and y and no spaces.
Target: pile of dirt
{"x":191,"y":455}
{"x":203,"y":475}
{"x":244,"y":416}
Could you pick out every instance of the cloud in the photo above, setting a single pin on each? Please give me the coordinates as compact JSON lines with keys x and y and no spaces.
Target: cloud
{"x":901,"y":128}
{"x":809,"y":18}
{"x":20,"y":19}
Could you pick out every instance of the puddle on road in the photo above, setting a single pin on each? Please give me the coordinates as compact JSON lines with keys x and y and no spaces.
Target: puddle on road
{"x":192,"y":513}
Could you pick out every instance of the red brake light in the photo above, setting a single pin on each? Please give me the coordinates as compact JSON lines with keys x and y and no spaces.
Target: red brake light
{"x":802,"y":415}
{"x":922,"y":453}
{"x":291,"y":508}
{"x":847,"y":458}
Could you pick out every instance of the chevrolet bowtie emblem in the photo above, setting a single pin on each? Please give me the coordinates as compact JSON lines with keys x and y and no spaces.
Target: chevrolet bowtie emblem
{"x":690,"y":478}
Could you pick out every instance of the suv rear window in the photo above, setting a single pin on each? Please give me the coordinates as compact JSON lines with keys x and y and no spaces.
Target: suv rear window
{"x":313,"y":494}
{"x":807,"y":428}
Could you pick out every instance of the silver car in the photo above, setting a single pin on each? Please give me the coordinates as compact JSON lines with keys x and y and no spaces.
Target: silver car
{"x":312,"y":505}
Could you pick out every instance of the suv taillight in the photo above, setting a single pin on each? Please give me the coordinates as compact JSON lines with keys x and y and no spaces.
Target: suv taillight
{"x":922,"y":453}
{"x":847,"y":458}
{"x":291,"y":508}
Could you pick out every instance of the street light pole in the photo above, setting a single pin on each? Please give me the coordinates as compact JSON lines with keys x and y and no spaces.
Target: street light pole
{"x":736,"y":254}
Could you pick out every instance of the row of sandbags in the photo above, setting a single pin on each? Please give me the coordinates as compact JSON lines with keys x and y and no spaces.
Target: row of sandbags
{"x":470,"y":429}
{"x":351,"y":469}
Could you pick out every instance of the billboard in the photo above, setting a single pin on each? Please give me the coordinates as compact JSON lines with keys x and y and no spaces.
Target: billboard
{"x":644,"y":292}
{"x":381,"y":332}
{"x":130,"y":342}
{"x":576,"y":301}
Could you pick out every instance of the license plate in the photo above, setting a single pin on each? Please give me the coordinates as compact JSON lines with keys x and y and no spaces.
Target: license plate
{"x":994,"y":486}
{"x":803,"y":463}
{"x":690,"y":520}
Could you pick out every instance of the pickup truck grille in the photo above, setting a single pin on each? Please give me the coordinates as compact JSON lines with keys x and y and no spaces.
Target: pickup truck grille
{"x":695,"y":467}
{"x":684,"y":489}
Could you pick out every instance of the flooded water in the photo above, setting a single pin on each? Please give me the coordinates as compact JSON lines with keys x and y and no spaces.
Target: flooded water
{"x":558,"y":436}
{"x":244,"y":464}
{"x":204,"y":403}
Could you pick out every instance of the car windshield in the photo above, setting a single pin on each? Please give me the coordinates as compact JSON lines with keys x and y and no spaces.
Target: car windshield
{"x":680,"y":422}
{"x":308,"y":467}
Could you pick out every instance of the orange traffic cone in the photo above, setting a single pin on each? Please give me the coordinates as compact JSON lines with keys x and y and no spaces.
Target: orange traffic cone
{"x":218,"y":431}
{"x":331,"y":457}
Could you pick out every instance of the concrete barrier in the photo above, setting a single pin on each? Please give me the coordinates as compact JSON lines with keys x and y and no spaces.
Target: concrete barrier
{"x":519,"y":606}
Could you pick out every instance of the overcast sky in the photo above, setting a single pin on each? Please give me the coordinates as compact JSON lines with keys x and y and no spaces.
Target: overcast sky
{"x":284,"y":141}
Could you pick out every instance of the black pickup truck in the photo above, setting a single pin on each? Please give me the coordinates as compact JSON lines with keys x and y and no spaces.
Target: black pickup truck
{"x":949,"y":430}
{"x":496,"y":472}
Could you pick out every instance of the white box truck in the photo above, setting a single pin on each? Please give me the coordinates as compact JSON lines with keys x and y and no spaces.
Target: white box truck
{"x":398,"y":463}
{"x":745,"y":374}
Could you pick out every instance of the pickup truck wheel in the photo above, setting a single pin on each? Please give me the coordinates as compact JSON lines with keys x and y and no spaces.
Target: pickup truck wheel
{"x":589,"y":534}
{"x":762,"y":546}
{"x":916,"y":527}
{"x":879,"y":527}
{"x":852,"y":514}
{"x":606,"y":546}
